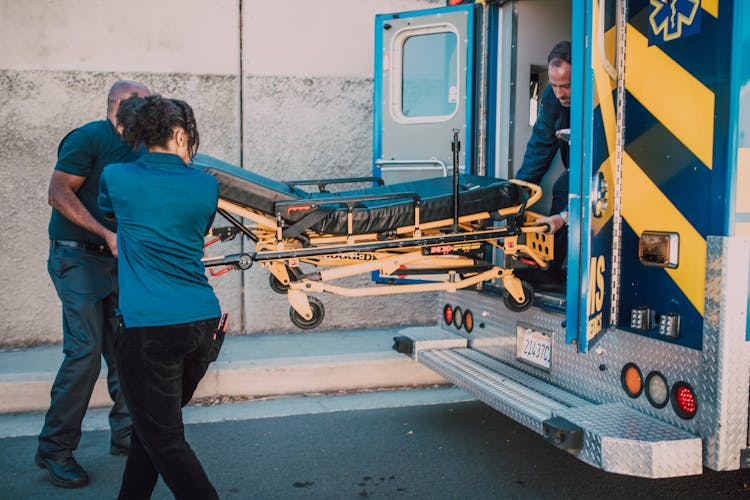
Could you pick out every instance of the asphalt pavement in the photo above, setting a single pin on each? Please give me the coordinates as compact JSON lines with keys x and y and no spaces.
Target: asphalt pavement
{"x":416,"y":444}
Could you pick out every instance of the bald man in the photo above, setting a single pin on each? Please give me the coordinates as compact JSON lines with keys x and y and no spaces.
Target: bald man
{"x":82,"y":265}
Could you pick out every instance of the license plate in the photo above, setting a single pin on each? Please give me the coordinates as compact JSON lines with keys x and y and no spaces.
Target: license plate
{"x":534,"y":347}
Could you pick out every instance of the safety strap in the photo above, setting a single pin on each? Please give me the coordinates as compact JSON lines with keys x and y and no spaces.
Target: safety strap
{"x":306,"y":222}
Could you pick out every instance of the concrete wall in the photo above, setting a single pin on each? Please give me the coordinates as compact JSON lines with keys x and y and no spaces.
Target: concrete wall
{"x":283,"y":88}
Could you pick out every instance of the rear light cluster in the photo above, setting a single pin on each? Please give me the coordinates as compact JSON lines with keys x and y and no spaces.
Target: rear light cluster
{"x":682,"y":395}
{"x":458,"y":317}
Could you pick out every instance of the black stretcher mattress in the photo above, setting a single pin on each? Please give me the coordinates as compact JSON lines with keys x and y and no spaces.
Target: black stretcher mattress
{"x":476,"y":194}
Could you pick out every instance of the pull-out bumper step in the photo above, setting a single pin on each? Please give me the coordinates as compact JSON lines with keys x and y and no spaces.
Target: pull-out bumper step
{"x":611,"y":436}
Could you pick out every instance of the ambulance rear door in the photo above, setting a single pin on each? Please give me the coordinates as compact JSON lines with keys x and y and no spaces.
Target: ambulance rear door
{"x":423,"y":91}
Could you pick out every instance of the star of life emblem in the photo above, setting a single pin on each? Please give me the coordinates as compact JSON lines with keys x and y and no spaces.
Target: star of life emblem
{"x":673,"y":19}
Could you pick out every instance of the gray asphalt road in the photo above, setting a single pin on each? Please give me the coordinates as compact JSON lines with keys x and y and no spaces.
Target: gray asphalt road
{"x":445,"y":451}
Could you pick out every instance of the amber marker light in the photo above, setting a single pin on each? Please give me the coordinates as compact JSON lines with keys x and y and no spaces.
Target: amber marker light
{"x":468,"y":321}
{"x":632,"y":380}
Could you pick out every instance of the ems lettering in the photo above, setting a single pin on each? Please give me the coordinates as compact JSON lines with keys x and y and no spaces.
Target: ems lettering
{"x":596,"y":295}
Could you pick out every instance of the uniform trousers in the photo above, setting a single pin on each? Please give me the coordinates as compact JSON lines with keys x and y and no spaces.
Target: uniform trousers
{"x":86,"y":282}
{"x":160,"y":367}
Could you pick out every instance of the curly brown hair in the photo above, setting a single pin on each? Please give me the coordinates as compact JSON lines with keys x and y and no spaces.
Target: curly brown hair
{"x":151,"y":121}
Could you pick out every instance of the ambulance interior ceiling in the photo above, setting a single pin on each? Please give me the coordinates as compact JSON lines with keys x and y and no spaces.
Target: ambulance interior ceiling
{"x":533,"y":28}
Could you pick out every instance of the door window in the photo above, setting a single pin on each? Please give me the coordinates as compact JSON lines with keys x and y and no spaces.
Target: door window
{"x":427,"y":66}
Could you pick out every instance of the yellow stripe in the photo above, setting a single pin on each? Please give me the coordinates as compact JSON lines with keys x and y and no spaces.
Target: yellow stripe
{"x":711,"y":6}
{"x":677,"y":99}
{"x":742,"y":194}
{"x":603,"y":96}
{"x":651,"y":210}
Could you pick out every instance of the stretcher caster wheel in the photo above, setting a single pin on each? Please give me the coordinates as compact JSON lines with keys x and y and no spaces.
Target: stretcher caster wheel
{"x":515,"y":306}
{"x":277,"y":286}
{"x":318,"y":313}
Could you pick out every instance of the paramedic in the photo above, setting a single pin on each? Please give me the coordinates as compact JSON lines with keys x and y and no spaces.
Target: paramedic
{"x":554,"y":115}
{"x":83,"y":270}
{"x":163,"y":207}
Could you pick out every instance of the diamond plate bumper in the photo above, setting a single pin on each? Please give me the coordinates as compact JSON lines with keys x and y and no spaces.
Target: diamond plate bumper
{"x":617,"y":438}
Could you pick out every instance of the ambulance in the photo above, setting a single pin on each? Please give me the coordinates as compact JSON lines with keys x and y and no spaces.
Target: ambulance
{"x":640,"y":363}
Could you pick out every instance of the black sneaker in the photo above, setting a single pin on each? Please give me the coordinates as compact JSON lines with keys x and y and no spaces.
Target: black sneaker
{"x":64,"y":472}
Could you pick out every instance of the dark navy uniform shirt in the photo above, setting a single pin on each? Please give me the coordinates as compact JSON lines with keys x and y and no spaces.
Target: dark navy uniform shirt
{"x":543,"y":145}
{"x":164,"y":209}
{"x":85,"y":152}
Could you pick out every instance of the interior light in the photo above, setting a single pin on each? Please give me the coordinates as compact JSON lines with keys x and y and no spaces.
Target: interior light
{"x":632,"y":380}
{"x":684,"y":401}
{"x":657,"y":390}
{"x":448,"y":314}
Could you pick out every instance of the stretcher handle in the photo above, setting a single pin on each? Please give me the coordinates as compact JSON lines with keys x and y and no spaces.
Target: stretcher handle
{"x":322,"y":183}
{"x":535,"y":191}
{"x":349,"y":201}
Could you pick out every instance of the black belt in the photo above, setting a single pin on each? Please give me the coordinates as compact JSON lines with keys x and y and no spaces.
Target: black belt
{"x":91,"y":247}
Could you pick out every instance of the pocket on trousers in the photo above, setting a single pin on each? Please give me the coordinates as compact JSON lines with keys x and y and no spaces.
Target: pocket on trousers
{"x":218,"y":338}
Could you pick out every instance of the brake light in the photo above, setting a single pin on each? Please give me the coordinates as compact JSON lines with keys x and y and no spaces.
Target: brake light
{"x":632,"y":380}
{"x":684,"y":401}
{"x":448,"y":314}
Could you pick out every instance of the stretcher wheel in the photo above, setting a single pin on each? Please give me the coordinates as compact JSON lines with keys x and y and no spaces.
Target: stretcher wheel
{"x":277,"y":286}
{"x":318,"y":313}
{"x":513,"y":305}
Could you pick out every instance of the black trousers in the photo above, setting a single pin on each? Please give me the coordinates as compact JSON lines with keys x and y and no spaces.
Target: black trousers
{"x":86,"y":283}
{"x":160,"y":367}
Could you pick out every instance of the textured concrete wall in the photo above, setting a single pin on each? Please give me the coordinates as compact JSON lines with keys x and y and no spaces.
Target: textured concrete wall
{"x":306,"y":93}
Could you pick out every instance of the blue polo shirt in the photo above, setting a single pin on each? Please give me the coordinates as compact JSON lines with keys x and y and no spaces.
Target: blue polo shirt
{"x":85,"y":152}
{"x":163,"y":208}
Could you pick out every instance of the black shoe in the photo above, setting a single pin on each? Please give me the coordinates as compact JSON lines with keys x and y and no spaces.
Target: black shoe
{"x":119,"y":450}
{"x":64,"y":472}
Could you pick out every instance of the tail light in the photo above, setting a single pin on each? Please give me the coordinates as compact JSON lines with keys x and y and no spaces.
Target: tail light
{"x":684,"y":401}
{"x":448,"y":314}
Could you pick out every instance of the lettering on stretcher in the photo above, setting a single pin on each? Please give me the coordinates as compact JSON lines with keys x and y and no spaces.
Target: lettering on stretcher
{"x":452,"y":249}
{"x":303,"y":208}
{"x":351,"y":256}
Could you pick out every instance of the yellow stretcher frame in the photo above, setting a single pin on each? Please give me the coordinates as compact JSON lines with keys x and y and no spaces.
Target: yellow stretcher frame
{"x":442,"y":246}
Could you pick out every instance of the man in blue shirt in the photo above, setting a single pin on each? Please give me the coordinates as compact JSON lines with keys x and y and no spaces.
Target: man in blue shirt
{"x":170,"y":314}
{"x":554,"y":115}
{"x":83,"y":269}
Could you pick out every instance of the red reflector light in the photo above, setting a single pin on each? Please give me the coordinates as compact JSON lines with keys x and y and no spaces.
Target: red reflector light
{"x":448,"y":314}
{"x":684,"y":401}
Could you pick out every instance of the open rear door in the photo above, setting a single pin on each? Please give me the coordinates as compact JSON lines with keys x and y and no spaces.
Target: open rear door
{"x":593,"y":180}
{"x":423,"y":90}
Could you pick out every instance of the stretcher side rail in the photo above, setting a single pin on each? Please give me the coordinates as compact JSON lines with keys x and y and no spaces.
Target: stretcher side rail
{"x":323,"y":183}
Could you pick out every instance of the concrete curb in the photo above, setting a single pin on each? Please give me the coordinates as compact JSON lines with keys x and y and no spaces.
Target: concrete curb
{"x":273,"y":375}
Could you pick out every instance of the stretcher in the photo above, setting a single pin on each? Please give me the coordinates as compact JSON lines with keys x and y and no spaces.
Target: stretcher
{"x":427,"y":235}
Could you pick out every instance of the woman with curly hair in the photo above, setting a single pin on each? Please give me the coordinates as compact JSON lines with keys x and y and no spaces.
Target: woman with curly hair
{"x":163,"y":207}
